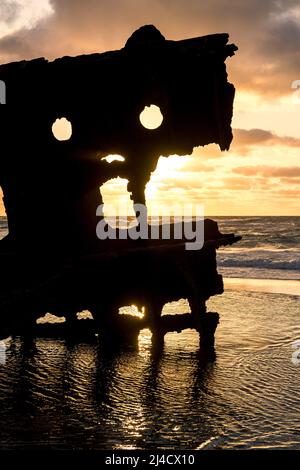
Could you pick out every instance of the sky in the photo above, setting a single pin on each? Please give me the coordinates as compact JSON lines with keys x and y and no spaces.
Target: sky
{"x":260,"y":175}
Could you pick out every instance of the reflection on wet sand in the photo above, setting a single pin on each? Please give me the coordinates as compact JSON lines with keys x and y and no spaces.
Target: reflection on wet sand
{"x":79,"y":393}
{"x":85,"y":396}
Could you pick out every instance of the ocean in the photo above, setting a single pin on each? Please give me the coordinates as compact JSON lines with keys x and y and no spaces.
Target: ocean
{"x":63,"y":394}
{"x":270,"y":248}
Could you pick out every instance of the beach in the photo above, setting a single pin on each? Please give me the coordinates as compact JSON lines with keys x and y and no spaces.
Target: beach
{"x":275,"y":286}
{"x":64,"y":394}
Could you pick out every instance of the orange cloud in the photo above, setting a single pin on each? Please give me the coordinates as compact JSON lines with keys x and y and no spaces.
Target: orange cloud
{"x":244,"y":140}
{"x":269,"y":171}
{"x":291,"y":181}
{"x":233,"y":183}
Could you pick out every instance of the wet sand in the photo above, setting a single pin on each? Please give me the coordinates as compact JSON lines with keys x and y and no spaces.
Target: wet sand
{"x":272,"y":286}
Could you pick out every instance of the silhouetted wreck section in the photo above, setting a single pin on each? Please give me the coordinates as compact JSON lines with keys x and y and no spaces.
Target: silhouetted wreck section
{"x":51,"y":188}
{"x":102,"y":96}
{"x":143,"y":273}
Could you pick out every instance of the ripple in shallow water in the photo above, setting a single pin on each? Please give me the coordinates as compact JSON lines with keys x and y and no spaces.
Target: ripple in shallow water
{"x":78,"y":395}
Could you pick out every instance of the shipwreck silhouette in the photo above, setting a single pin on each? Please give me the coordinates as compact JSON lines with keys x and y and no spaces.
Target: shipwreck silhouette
{"x":51,"y":260}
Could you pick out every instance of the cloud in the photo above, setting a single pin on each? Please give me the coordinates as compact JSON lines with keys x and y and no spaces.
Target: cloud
{"x":16,"y":15}
{"x":288,"y":194}
{"x":268,"y":171}
{"x":267,"y":32}
{"x":244,"y":140}
{"x":234,"y":183}
{"x":281,"y":46}
{"x":9,"y":11}
{"x":291,"y":181}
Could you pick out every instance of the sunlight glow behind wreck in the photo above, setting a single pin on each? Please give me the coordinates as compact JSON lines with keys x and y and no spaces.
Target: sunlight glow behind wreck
{"x":113,"y":158}
{"x":62,"y":129}
{"x":151,"y":117}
